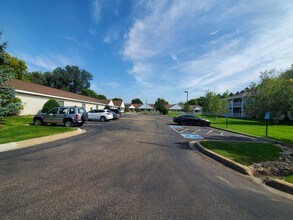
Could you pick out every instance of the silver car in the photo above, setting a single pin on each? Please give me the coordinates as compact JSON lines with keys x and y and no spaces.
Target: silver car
{"x":67,"y":115}
{"x":99,"y":114}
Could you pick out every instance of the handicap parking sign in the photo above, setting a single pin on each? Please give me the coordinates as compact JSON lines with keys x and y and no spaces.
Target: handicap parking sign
{"x":193,"y":136}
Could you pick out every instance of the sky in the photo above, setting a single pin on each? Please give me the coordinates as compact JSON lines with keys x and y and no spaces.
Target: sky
{"x":151,"y":49}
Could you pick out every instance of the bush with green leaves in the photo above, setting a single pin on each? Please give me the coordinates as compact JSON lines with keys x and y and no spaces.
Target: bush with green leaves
{"x":51,"y":103}
{"x":165,"y":111}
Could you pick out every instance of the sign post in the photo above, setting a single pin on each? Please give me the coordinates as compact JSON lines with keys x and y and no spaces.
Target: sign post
{"x":227,"y":116}
{"x":267,"y":118}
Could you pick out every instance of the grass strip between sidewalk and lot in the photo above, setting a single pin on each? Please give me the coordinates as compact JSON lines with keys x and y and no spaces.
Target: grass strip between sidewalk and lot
{"x":18,"y":128}
{"x":289,"y":179}
{"x":243,"y":152}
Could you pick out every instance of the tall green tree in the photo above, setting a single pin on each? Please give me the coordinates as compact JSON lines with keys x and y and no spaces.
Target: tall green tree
{"x":18,"y":66}
{"x":93,"y":94}
{"x":273,"y":94}
{"x":216,"y":104}
{"x":70,"y":78}
{"x":201,"y":101}
{"x":193,"y":102}
{"x":36,"y":77}
{"x":160,"y":105}
{"x":9,"y":104}
{"x":136,"y":101}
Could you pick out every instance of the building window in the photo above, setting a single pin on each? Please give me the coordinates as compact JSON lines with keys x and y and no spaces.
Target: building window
{"x":61,"y":103}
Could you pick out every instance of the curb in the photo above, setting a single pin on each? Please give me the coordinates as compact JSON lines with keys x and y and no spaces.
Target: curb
{"x":39,"y":140}
{"x":274,"y":183}
{"x":281,"y":185}
{"x":227,"y":162}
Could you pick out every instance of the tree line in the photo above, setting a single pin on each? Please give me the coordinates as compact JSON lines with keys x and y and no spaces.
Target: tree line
{"x":70,"y":78}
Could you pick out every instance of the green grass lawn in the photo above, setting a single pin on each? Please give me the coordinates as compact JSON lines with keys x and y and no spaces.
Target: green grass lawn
{"x":244,"y":153}
{"x":283,"y":131}
{"x":18,"y":128}
{"x":289,"y":179}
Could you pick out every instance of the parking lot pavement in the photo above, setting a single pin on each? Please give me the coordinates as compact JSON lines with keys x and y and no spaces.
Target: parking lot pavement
{"x":209,"y":133}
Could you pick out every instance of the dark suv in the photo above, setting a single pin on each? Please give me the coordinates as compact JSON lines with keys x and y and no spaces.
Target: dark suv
{"x":67,"y":115}
{"x":117,"y":111}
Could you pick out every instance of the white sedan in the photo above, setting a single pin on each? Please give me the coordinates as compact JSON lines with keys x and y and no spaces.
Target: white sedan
{"x":101,"y":115}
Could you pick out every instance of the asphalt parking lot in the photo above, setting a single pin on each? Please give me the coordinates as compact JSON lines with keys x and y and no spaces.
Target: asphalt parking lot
{"x":210,"y":133}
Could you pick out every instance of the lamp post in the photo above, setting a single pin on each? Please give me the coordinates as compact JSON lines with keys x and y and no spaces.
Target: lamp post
{"x":186,"y":101}
{"x":187,"y":96}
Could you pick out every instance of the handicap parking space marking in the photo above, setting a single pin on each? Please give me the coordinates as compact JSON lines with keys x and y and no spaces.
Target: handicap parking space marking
{"x":193,"y":136}
{"x":177,"y":128}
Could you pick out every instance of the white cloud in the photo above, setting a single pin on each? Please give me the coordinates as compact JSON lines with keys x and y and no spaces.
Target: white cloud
{"x":219,"y":49}
{"x":96,"y":11}
{"x":112,"y":35}
{"x":50,"y":61}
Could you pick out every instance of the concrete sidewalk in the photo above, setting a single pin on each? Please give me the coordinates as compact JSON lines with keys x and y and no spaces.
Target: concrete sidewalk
{"x":40,"y":140}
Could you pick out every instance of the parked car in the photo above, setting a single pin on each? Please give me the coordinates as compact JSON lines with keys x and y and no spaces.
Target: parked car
{"x":115,"y":115}
{"x":100,"y":114}
{"x":191,"y":119}
{"x":67,"y":115}
{"x":117,"y":111}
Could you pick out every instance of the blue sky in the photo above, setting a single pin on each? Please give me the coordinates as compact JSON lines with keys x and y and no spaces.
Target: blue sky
{"x":151,"y":49}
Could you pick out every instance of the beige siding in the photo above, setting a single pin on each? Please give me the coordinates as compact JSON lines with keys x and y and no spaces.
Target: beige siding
{"x":32,"y":104}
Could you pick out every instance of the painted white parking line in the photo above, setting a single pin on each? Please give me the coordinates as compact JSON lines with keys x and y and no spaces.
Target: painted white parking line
{"x":197,"y":131}
{"x":210,"y":131}
{"x":222,"y":133}
{"x":174,"y":128}
{"x":183,"y":130}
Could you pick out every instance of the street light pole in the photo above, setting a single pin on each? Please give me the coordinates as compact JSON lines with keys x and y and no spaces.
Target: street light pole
{"x":186,"y":101}
{"x":187,"y":95}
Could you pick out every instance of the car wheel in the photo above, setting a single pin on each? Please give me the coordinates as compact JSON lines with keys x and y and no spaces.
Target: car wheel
{"x":38,"y":122}
{"x":68,"y":123}
{"x":80,"y":124}
{"x":85,"y":117}
{"x":103,"y":119}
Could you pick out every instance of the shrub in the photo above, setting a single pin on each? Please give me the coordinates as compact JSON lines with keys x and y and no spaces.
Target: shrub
{"x":51,"y":103}
{"x":165,"y":111}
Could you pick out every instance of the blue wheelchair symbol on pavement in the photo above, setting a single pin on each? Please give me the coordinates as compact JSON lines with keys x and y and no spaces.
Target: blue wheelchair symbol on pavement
{"x":193,"y":136}
{"x":176,"y":127}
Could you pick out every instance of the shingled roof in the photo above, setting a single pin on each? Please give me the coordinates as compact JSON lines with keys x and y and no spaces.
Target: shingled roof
{"x":36,"y":89}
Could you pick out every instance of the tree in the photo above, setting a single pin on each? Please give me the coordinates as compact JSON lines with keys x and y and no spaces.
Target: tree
{"x":192,"y":102}
{"x":9,"y":104}
{"x":160,"y":105}
{"x":92,"y":93}
{"x":36,"y":77}
{"x":201,"y":101}
{"x":216,"y":104}
{"x":51,"y":103}
{"x":273,"y":94}
{"x":100,"y":96}
{"x":185,"y":107}
{"x":18,"y":67}
{"x":117,"y":99}
{"x":71,"y":79}
{"x":136,"y":101}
